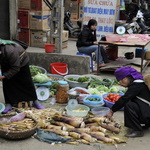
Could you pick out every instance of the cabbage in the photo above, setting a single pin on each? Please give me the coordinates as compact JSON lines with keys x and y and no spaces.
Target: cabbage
{"x":94,"y":91}
{"x":102,"y":88}
{"x":41,"y":78}
{"x":113,"y":90}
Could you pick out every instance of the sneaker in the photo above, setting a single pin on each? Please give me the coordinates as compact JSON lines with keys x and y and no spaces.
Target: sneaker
{"x":134,"y":134}
{"x":38,"y":106}
{"x":6,"y":110}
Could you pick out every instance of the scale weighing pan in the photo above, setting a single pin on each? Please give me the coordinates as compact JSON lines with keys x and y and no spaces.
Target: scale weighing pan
{"x":2,"y":107}
{"x":42,"y":93}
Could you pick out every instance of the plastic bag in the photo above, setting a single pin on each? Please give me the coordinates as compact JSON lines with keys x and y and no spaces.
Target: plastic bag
{"x":49,"y":137}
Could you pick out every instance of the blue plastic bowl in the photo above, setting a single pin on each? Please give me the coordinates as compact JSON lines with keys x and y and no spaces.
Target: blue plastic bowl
{"x":93,"y":103}
{"x":108,"y":103}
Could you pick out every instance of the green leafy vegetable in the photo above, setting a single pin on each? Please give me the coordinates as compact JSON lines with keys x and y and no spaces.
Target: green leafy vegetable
{"x":35,"y":70}
{"x":41,"y":78}
{"x":80,"y":79}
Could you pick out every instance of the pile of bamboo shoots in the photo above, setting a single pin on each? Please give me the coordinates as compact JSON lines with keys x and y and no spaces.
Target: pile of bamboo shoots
{"x":81,"y":130}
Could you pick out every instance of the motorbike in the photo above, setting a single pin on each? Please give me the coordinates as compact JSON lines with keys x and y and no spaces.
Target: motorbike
{"x":74,"y":31}
{"x":135,"y":22}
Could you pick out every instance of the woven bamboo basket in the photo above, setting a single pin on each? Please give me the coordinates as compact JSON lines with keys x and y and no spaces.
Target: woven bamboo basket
{"x":17,"y":135}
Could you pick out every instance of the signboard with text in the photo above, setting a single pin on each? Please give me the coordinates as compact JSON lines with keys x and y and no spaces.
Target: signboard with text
{"x":104,"y":11}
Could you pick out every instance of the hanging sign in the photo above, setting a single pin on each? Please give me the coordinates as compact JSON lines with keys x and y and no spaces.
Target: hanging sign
{"x":104,"y":12}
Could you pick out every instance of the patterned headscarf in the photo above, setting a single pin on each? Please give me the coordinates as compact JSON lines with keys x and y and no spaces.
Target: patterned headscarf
{"x":126,"y":71}
{"x":5,"y":42}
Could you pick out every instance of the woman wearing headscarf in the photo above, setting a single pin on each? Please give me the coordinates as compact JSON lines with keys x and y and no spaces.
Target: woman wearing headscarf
{"x":136,"y":101}
{"x":87,"y":42}
{"x":16,"y":77}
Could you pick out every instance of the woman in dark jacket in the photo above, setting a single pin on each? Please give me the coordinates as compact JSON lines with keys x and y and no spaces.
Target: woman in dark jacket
{"x":87,"y":42}
{"x":16,"y":77}
{"x":136,"y":101}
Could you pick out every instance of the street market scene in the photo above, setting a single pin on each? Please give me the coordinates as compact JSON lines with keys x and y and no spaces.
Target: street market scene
{"x":75,"y":75}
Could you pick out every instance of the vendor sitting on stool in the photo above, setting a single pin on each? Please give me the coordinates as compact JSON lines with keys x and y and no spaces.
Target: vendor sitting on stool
{"x":87,"y":43}
{"x":136,"y":101}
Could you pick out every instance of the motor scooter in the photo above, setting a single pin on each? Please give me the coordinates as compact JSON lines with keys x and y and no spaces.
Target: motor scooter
{"x":74,"y":31}
{"x":137,"y":25}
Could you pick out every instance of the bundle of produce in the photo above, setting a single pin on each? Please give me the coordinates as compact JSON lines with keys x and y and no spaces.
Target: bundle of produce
{"x":100,"y":87}
{"x":36,"y":69}
{"x":80,"y":130}
{"x":41,"y":78}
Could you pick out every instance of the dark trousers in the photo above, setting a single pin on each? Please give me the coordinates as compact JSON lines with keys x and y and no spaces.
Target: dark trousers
{"x":132,"y":117}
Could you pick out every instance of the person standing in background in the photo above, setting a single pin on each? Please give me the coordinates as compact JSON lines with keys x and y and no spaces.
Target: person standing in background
{"x":16,"y":77}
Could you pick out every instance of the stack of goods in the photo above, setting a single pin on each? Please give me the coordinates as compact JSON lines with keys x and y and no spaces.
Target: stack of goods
{"x":34,"y":23}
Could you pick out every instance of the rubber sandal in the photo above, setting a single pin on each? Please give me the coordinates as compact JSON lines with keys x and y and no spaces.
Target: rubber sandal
{"x":6,"y":110}
{"x":38,"y":106}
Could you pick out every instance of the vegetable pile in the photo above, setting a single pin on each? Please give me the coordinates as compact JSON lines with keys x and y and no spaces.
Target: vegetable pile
{"x":41,"y":78}
{"x":93,"y":99}
{"x":35,"y":70}
{"x":90,"y":129}
{"x":100,"y":87}
{"x":80,"y":79}
{"x":112,"y":97}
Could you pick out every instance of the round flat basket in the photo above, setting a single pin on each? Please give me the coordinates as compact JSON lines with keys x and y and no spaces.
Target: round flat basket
{"x":17,"y":135}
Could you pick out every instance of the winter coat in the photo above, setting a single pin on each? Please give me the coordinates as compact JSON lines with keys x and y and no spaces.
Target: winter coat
{"x":86,"y":37}
{"x":139,"y":89}
{"x":13,"y":57}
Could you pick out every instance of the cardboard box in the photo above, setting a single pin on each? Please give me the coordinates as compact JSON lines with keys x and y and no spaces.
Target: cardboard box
{"x":65,"y":35}
{"x":39,"y":38}
{"x":40,"y":20}
{"x":39,"y":5}
{"x":24,"y":4}
{"x":23,"y":19}
{"x":24,"y":35}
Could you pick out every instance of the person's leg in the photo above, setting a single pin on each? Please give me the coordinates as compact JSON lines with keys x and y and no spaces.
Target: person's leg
{"x":37,"y":105}
{"x":91,"y":49}
{"x":132,"y":120}
{"x":105,"y":58}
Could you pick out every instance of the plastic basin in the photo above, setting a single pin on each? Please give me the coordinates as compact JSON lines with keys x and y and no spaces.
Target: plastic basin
{"x":78,"y":111}
{"x":92,"y":104}
{"x":100,"y":111}
{"x":108,"y":103}
{"x":73,"y":84}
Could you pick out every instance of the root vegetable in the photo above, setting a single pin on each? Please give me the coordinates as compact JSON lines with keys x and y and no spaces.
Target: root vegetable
{"x":63,"y":124}
{"x":88,"y":137}
{"x":118,"y":140}
{"x":70,"y":121}
{"x":58,"y":132}
{"x":110,"y":128}
{"x":80,"y":130}
{"x":84,"y":141}
{"x":95,"y":119}
{"x":102,"y":138}
{"x":92,"y":124}
{"x":97,"y":133}
{"x":99,"y":128}
{"x":74,"y":135}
